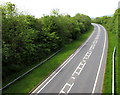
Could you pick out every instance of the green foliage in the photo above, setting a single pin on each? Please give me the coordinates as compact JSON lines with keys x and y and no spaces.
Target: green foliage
{"x":31,"y":80}
{"x":110,"y":22}
{"x":112,"y":25}
{"x":27,"y":39}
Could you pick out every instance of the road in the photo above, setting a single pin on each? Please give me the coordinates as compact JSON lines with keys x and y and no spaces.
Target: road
{"x":83,"y":71}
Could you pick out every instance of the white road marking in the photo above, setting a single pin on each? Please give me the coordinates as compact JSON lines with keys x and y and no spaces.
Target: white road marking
{"x":62,"y":92}
{"x":87,"y":55}
{"x":64,"y":87}
{"x":93,"y":91}
{"x":70,"y":88}
{"x":73,"y":77}
{"x":92,"y":47}
{"x":79,"y":67}
{"x":82,"y":62}
{"x":55,"y":74}
{"x":113,"y":71}
{"x":48,"y":80}
{"x":68,"y":84}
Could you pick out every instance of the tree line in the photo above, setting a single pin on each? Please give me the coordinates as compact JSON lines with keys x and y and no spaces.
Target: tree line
{"x":112,"y":23}
{"x":26,"y":39}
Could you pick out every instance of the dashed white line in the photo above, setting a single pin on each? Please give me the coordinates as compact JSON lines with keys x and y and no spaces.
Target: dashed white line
{"x":70,"y":88}
{"x":79,"y":69}
{"x":73,"y":77}
{"x":93,"y":91}
{"x":40,"y":87}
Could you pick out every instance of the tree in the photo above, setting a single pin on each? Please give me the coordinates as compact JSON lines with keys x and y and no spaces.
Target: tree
{"x":27,"y":39}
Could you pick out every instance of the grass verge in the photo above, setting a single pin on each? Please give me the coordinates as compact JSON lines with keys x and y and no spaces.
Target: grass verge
{"x":112,"y":41}
{"x":27,"y":83}
{"x":118,"y":67}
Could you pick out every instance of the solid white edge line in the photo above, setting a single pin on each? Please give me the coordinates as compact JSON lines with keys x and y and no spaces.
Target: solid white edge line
{"x":73,"y":75}
{"x":53,"y":73}
{"x":64,"y":63}
{"x":113,"y":69}
{"x":113,"y":75}
{"x":93,"y":91}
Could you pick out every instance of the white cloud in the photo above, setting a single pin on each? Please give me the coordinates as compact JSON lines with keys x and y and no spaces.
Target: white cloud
{"x":93,"y":8}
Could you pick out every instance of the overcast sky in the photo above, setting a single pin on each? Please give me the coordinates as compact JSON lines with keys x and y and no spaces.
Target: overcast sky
{"x":93,"y":8}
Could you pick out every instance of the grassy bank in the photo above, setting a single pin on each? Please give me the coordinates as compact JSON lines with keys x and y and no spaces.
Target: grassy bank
{"x":27,"y":83}
{"x":118,"y":68}
{"x":112,"y":41}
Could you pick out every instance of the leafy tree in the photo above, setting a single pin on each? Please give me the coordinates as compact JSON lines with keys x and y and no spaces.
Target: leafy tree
{"x":27,"y":39}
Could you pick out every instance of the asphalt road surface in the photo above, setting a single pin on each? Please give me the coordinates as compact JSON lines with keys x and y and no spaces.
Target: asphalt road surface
{"x":83,"y":71}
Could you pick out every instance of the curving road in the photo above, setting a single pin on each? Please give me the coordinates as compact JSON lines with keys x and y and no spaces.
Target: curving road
{"x":83,"y":71}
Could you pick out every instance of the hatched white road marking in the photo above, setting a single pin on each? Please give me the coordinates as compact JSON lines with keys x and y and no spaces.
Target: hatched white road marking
{"x":48,"y":80}
{"x":79,"y":69}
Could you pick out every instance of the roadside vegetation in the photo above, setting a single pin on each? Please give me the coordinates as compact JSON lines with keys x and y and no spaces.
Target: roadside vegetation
{"x":112,"y":24}
{"x":30,"y":81}
{"x":27,"y":40}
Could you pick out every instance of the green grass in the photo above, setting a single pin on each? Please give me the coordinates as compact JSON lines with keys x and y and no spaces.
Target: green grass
{"x":14,"y":75}
{"x":27,"y":83}
{"x":118,"y":68}
{"x":107,"y":87}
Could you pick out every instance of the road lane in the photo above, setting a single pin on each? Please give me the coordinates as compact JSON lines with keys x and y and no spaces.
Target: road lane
{"x":78,"y":74}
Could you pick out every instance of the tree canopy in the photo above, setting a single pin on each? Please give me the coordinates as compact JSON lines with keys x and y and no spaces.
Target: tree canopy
{"x":27,"y":39}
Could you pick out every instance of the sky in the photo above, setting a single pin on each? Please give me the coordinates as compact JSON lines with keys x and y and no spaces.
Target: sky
{"x":92,"y":8}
